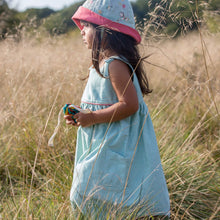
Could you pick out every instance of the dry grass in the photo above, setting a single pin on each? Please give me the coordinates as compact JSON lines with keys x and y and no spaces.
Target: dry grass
{"x":39,"y":77}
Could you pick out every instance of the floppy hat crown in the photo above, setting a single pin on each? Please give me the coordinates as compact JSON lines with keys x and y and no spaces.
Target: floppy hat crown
{"x":116,"y":15}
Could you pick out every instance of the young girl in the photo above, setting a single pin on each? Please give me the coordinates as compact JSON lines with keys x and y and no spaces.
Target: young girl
{"x":117,"y":164}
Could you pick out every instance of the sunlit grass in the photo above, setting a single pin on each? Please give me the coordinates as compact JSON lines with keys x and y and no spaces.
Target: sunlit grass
{"x":38,"y":78}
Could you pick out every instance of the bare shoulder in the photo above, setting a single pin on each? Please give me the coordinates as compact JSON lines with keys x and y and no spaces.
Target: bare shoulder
{"x":118,"y":67}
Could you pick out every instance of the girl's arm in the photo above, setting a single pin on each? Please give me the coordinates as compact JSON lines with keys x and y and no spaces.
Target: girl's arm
{"x":127,"y":104}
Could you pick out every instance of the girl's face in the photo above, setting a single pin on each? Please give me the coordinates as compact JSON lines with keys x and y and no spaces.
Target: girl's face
{"x":87,"y":33}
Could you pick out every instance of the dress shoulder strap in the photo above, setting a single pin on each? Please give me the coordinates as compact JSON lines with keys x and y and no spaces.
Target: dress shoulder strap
{"x":123,"y":59}
{"x":134,"y":77}
{"x":110,"y":59}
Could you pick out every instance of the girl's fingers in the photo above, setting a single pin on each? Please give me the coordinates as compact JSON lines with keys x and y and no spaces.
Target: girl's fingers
{"x":72,"y":120}
{"x":69,"y":122}
{"x":67,"y":117}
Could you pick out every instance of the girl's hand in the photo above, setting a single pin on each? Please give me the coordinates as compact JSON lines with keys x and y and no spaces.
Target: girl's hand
{"x":69,"y":120}
{"x":84,"y":119}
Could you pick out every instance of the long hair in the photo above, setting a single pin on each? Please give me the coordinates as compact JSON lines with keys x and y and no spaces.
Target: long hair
{"x":124,"y":46}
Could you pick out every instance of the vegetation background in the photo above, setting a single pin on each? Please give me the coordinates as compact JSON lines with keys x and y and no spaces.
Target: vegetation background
{"x":42,"y":59}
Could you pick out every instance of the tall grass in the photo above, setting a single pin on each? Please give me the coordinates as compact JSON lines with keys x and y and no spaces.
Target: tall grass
{"x":187,"y":123}
{"x":38,"y":76}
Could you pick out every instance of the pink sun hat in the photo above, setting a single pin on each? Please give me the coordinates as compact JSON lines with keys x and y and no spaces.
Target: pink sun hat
{"x":116,"y":15}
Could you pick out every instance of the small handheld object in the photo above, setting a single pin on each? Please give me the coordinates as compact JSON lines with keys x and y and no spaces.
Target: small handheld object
{"x":70,"y":109}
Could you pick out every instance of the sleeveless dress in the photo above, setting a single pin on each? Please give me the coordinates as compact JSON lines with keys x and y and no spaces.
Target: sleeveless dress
{"x":117,"y":165}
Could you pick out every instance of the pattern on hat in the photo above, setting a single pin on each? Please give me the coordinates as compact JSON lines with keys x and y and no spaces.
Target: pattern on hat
{"x":116,"y":15}
{"x":119,"y":11}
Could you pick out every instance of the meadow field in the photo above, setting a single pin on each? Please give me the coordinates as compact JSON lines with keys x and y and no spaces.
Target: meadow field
{"x":39,"y":75}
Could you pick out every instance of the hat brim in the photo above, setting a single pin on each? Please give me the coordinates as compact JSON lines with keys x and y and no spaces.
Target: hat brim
{"x":87,"y":15}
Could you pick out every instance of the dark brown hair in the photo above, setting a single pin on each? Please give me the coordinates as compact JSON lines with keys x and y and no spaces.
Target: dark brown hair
{"x":122,"y":45}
